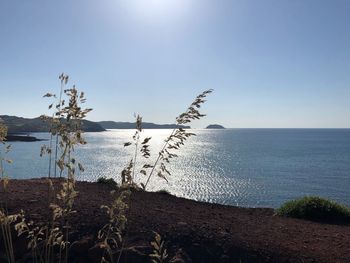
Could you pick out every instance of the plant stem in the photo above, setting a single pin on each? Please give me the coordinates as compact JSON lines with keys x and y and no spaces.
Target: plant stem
{"x":159,"y":155}
{"x":135,"y":157}
{"x":50,"y":154}
{"x":59,"y":108}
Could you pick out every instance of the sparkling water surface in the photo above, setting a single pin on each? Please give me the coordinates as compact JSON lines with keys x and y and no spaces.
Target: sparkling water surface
{"x":245,"y":167}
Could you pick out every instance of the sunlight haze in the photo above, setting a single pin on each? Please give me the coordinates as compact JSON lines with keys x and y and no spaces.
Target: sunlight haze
{"x":271,"y":63}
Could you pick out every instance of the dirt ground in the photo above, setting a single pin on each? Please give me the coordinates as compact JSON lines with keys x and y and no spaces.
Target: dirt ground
{"x":192,"y":231}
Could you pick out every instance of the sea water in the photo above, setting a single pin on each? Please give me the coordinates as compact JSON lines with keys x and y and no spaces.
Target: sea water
{"x":244,"y":167}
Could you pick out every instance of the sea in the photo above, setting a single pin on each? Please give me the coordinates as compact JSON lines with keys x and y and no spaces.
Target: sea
{"x":241,"y":167}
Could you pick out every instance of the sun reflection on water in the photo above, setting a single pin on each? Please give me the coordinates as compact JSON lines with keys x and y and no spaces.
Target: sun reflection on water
{"x":236,"y":167}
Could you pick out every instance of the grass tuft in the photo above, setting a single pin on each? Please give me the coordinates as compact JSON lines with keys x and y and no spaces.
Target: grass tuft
{"x":315,"y":209}
{"x":107,"y":181}
{"x":164,"y":192}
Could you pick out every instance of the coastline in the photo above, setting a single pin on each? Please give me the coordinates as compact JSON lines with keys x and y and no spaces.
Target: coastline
{"x":193,"y":231}
{"x":22,"y":138}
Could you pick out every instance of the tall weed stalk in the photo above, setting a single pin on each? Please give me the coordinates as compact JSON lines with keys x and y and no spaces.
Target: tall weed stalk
{"x":50,"y":242}
{"x":67,"y":126}
{"x":6,"y":220}
{"x":159,"y":254}
{"x":173,"y":142}
{"x":111,"y":234}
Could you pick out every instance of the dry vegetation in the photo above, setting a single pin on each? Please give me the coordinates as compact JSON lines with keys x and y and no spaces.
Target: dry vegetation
{"x":50,"y":242}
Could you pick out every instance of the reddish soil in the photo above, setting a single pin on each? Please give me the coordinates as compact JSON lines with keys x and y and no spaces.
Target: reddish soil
{"x":193,"y":231}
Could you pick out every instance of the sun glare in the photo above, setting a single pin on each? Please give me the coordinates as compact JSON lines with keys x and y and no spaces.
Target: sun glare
{"x":157,"y":10}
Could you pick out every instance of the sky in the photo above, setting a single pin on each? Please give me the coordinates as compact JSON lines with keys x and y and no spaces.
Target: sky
{"x":271,"y":63}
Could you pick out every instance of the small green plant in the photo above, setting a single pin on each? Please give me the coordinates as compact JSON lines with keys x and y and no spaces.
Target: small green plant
{"x":163,"y":191}
{"x":315,"y":209}
{"x":107,"y":181}
{"x":159,"y":254}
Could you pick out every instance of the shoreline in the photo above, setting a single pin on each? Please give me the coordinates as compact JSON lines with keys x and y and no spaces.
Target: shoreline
{"x":22,"y":138}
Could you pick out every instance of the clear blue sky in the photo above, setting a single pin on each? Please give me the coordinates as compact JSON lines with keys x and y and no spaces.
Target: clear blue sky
{"x":272,"y":63}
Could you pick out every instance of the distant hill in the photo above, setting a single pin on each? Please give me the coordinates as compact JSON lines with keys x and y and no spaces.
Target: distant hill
{"x":145,"y":125}
{"x":215,"y":126}
{"x":22,"y":125}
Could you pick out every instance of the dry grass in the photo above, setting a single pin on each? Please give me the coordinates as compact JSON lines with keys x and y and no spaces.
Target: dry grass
{"x":6,"y":220}
{"x":50,"y":242}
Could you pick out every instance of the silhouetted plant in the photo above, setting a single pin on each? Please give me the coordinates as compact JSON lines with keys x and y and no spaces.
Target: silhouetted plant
{"x":66,"y":126}
{"x":159,"y":254}
{"x":173,"y":142}
{"x":107,"y":181}
{"x":128,"y":173}
{"x":42,"y":240}
{"x":4,"y":150}
{"x":111,"y":233}
{"x":6,"y":220}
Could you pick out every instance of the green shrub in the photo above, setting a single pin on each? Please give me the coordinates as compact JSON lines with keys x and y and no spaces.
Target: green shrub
{"x":164,"y":192}
{"x":315,"y":209}
{"x":109,"y":181}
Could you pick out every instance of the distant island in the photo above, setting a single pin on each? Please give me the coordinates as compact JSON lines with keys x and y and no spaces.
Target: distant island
{"x":215,"y":126}
{"x":145,"y":125}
